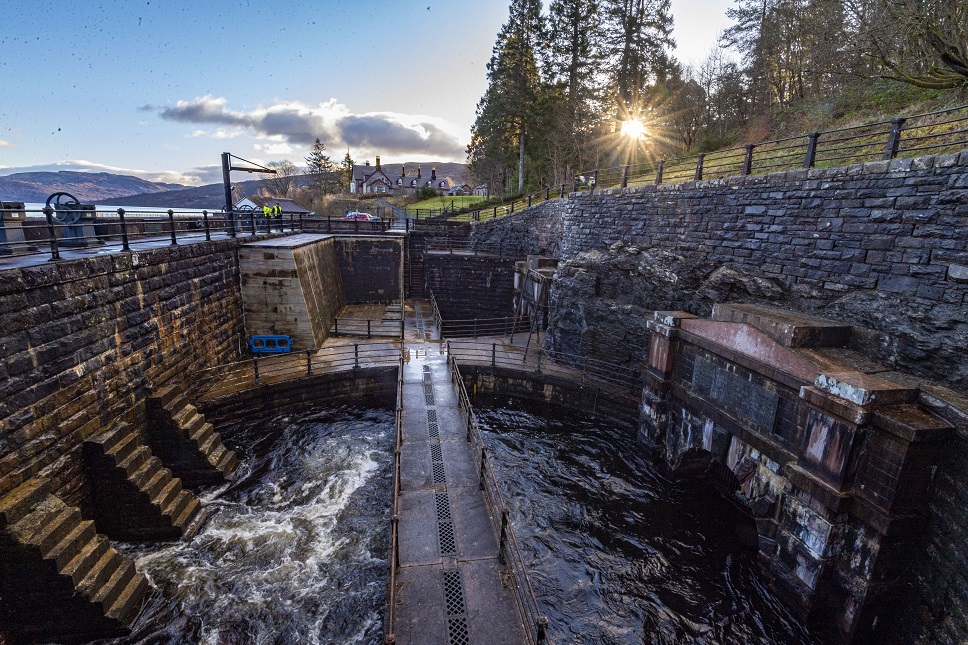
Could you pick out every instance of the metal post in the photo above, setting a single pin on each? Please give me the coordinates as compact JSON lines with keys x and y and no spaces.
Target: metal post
{"x":255,"y":368}
{"x":542,"y":631}
{"x":504,"y":536}
{"x":894,"y":139}
{"x":594,"y":181}
{"x":658,"y":173}
{"x":811,"y":155}
{"x":539,"y":361}
{"x":561,"y":191}
{"x":227,"y":187}
{"x":575,"y":187}
{"x":171,"y":222}
{"x":512,"y":207}
{"x":483,"y":465}
{"x":367,"y":327}
{"x":356,"y":355}
{"x":547,"y":193}
{"x":625,"y":176}
{"x":529,"y":201}
{"x":309,"y":362}
{"x":329,"y":224}
{"x":300,"y":222}
{"x":124,"y":231}
{"x":475,"y":328}
{"x":54,"y":253}
{"x":699,"y":159}
{"x":208,"y":230}
{"x":748,"y":160}
{"x":493,"y":353}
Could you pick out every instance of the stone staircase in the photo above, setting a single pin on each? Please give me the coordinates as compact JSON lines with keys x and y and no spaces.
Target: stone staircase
{"x":179,"y":434}
{"x":66,"y":582}
{"x":135,"y":497}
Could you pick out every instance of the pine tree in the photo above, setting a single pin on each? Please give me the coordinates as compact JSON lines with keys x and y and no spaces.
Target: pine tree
{"x":346,"y":172}
{"x":323,"y":177}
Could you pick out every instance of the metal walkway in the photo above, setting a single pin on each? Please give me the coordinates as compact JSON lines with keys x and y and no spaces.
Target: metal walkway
{"x":449,"y":588}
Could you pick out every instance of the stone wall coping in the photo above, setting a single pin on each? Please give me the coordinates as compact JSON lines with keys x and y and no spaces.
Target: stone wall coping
{"x":788,"y":328}
{"x":288,"y":242}
{"x":864,"y":389}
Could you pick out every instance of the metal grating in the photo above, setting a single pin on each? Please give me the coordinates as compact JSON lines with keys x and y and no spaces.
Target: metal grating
{"x":457,"y":633}
{"x":442,"y":501}
{"x":440,"y":476}
{"x":433,"y":429}
{"x":436,"y":452}
{"x":454,"y":592}
{"x":445,"y":525}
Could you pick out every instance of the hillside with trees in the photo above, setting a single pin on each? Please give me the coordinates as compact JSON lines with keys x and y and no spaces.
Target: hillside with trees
{"x":593,"y":83}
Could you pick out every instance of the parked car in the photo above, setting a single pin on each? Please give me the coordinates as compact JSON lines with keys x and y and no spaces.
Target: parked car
{"x":357,"y":215}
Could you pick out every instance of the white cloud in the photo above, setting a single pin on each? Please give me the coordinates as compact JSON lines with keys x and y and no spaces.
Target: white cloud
{"x":217,"y":134}
{"x":6,"y":144}
{"x":298,"y":124}
{"x":274,"y":148}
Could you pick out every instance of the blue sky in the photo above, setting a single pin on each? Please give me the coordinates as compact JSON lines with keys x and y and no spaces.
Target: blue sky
{"x":159,"y":88}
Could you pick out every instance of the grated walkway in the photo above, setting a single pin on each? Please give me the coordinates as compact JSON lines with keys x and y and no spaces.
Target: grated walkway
{"x":449,"y":586}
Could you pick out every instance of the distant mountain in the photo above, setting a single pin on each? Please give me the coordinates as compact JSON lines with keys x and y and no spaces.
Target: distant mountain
{"x":89,"y":187}
{"x":104,"y":188}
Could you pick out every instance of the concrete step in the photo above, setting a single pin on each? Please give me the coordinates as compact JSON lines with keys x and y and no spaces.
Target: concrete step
{"x":167,"y":494}
{"x":111,"y":590}
{"x":188,"y":515}
{"x":56,"y":529}
{"x":100,"y":573}
{"x":201,"y":435}
{"x":228,"y":463}
{"x":125,"y":446}
{"x":138,"y":457}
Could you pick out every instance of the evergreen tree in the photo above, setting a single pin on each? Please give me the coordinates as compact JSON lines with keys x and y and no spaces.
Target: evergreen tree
{"x":323,"y":175}
{"x":514,"y":83}
{"x":346,"y":172}
{"x":639,"y":33}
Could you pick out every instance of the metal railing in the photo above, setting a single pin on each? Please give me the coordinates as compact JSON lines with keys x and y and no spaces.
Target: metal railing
{"x":902,"y":137}
{"x":389,"y":625}
{"x":620,"y":381}
{"x":509,"y":552}
{"x":261,"y":370}
{"x":369,"y":327}
{"x":474,"y":327}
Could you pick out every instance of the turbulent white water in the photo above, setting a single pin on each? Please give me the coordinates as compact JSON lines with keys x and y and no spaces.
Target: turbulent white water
{"x":295,"y":549}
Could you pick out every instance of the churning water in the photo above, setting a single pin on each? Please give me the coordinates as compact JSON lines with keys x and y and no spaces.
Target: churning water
{"x":295,"y":550}
{"x":617,"y":553}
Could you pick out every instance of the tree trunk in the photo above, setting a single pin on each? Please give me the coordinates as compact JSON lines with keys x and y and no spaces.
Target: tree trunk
{"x":521,"y":160}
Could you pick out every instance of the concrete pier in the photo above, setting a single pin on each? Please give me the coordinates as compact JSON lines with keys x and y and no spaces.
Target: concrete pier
{"x":449,"y":585}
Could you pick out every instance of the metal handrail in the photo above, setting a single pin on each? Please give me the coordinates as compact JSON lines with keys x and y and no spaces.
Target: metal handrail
{"x":509,"y":552}
{"x":389,"y":626}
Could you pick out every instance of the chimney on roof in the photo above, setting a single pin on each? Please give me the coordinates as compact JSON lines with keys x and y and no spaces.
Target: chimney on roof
{"x":403,"y":170}
{"x":366,"y":163}
{"x":418,"y":171}
{"x":378,"y":162}
{"x":433,"y":173}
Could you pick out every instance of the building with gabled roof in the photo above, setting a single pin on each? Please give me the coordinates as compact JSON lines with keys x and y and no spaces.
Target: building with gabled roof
{"x":378,"y":179}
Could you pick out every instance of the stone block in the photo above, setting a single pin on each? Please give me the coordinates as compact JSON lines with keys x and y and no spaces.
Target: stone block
{"x":790,"y":329}
{"x":864,"y":389}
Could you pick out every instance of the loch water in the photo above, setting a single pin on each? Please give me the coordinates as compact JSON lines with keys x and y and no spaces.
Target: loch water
{"x":618,"y":554}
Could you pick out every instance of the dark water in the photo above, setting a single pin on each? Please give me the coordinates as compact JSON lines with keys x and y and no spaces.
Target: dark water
{"x":296,"y":549}
{"x":619,"y":554}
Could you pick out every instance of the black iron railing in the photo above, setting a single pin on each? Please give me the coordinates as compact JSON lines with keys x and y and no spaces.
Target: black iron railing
{"x":509,"y":553}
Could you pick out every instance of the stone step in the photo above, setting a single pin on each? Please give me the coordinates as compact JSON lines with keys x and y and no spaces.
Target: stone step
{"x":16,"y":504}
{"x":84,"y":560}
{"x":209,"y":444}
{"x":157,"y":483}
{"x":100,"y":573}
{"x":229,"y":462}
{"x":56,"y":529}
{"x":183,"y":416}
{"x":215,"y":455}
{"x":111,"y":590}
{"x":204,"y":431}
{"x":111,"y":437}
{"x":188,"y":515}
{"x":165,"y":395}
{"x":72,"y":544}
{"x":130,"y":464}
{"x":129,"y":600}
{"x":125,"y":446}
{"x":194,"y":423}
{"x":175,"y":507}
{"x":167,"y":494}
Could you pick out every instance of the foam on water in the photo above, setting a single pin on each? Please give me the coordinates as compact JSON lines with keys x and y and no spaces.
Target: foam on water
{"x":295,"y":550}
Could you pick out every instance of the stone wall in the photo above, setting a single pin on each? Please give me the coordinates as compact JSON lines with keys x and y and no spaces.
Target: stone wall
{"x":882,"y":246}
{"x":371,"y":268}
{"x":291,"y":286}
{"x":85,"y":341}
{"x":533,"y":231}
{"x":468,"y":286}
